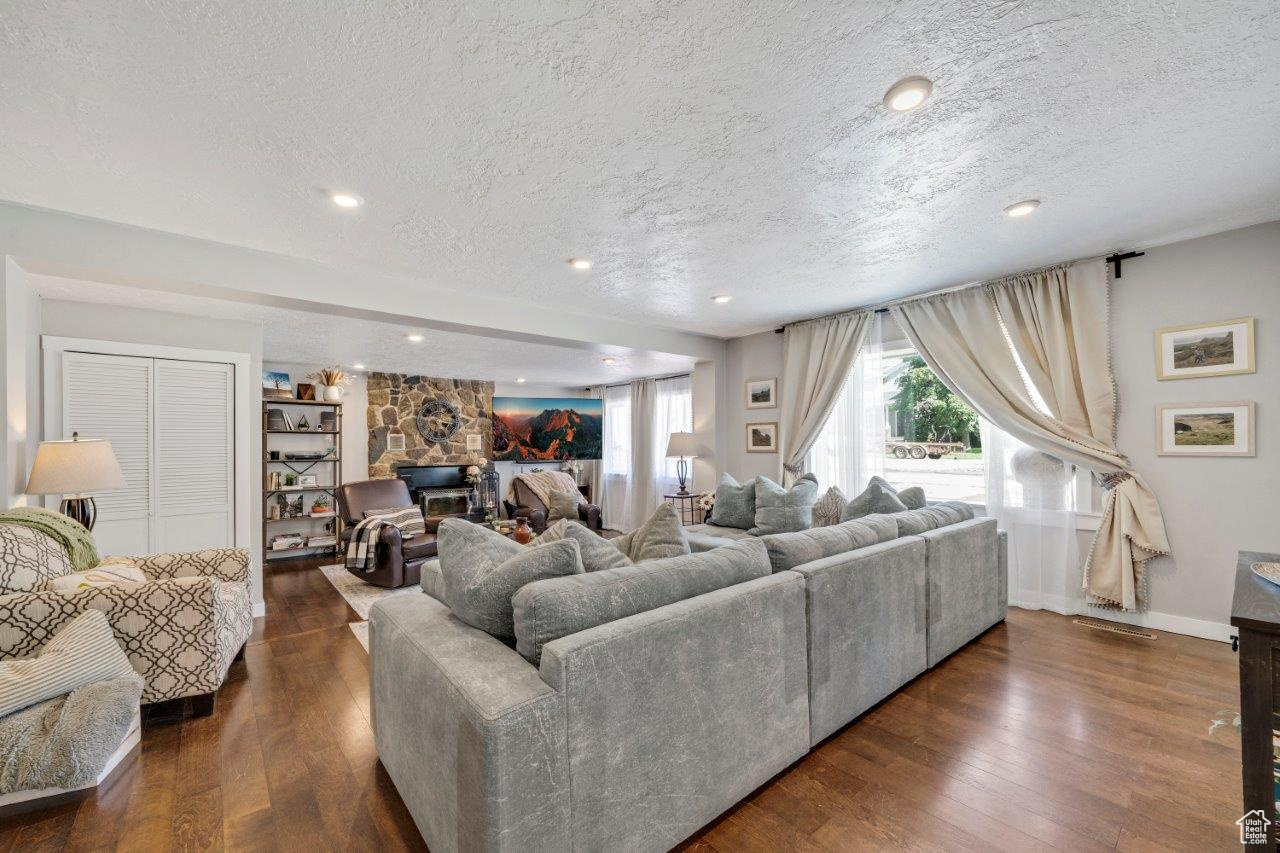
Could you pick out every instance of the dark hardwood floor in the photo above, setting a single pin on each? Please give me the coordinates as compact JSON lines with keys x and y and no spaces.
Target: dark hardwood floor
{"x":1040,"y":735}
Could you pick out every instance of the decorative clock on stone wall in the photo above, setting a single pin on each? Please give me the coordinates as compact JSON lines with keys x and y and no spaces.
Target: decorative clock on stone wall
{"x":439,"y":421}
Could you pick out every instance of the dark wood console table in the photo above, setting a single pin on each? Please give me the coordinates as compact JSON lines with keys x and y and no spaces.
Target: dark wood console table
{"x":1255,"y":611}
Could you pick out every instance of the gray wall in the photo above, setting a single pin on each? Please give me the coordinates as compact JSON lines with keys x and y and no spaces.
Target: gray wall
{"x":756,"y":356}
{"x":158,"y":328}
{"x":1212,"y":507}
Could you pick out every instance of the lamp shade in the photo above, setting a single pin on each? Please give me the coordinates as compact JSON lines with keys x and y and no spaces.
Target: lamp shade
{"x":683,"y":444}
{"x":74,"y":467}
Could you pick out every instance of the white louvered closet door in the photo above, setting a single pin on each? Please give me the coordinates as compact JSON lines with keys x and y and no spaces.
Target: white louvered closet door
{"x":194,"y":489}
{"x":109,"y":396}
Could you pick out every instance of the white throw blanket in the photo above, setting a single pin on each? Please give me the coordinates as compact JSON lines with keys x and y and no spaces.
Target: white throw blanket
{"x":542,"y":484}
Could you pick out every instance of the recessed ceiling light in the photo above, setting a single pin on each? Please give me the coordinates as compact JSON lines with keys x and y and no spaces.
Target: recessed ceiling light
{"x":580,"y":263}
{"x":347,"y":200}
{"x":721,"y":298}
{"x":608,"y":359}
{"x":1022,"y":208}
{"x":357,"y":367}
{"x":907,"y":94}
{"x":519,"y":380}
{"x":414,"y":338}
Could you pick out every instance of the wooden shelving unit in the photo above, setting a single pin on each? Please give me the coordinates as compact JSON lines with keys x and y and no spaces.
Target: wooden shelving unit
{"x":328,"y":470}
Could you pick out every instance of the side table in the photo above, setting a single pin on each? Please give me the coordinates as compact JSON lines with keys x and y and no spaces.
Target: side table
{"x":686,"y":507}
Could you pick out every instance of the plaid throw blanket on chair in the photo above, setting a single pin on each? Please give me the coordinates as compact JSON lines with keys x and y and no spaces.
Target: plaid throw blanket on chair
{"x":362,"y":550}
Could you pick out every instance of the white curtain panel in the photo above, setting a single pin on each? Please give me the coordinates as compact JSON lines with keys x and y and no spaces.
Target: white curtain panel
{"x":963,"y":338}
{"x":849,"y":449}
{"x":816,"y":358}
{"x":615,"y":468}
{"x":1032,"y":496}
{"x":595,"y":468}
{"x":644,"y":494}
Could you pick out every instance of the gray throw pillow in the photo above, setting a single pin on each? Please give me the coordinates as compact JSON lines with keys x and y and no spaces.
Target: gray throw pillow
{"x":483,"y":569}
{"x":780,"y":510}
{"x":826,"y":511}
{"x":735,"y":504}
{"x":912,"y":497}
{"x":563,"y":505}
{"x":660,"y":537}
{"x":877,"y":497}
{"x":597,"y":552}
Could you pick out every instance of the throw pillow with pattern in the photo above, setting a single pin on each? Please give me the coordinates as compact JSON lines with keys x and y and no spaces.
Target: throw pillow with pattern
{"x":660,"y":537}
{"x":735,"y":504}
{"x":408,"y":518}
{"x":826,"y":512}
{"x":563,"y":505}
{"x":780,"y":510}
{"x":82,"y":652}
{"x":31,"y":559}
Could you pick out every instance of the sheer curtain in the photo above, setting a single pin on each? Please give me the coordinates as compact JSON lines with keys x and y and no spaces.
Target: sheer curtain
{"x":1032,"y":496}
{"x":615,"y":467}
{"x":849,"y":450}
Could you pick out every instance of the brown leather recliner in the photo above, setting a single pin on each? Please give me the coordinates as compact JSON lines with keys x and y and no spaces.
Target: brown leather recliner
{"x":399,"y":560}
{"x":530,"y":507}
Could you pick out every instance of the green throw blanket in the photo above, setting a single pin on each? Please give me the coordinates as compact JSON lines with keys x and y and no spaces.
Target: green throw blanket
{"x":73,"y":536}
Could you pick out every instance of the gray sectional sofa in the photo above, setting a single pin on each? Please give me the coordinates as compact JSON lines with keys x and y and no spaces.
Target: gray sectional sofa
{"x":640,"y":703}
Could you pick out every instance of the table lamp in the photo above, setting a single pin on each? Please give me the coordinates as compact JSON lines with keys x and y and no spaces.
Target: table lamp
{"x":72,"y":468}
{"x":682,"y":444}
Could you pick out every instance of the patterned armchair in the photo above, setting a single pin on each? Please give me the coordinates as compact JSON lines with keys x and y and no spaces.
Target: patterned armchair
{"x":181,"y":630}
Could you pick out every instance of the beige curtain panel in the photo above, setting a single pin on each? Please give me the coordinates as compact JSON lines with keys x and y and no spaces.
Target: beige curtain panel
{"x":816,"y":358}
{"x":1056,"y":322}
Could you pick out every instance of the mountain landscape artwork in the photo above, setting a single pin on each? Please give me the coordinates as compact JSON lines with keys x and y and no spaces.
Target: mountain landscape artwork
{"x":547,"y":429}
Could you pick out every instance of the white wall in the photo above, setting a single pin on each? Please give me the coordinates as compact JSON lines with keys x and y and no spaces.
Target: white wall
{"x":20,"y":375}
{"x":1212,"y":507}
{"x":157,"y":328}
{"x":756,"y":356}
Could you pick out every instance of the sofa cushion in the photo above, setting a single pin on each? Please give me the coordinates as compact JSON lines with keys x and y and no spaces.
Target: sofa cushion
{"x":875,"y":498}
{"x":916,"y":521}
{"x":708,"y":537}
{"x":563,"y":505}
{"x":29,"y":559}
{"x":826,"y":511}
{"x":110,"y":572}
{"x":597,"y":552}
{"x":432,"y":580}
{"x":780,"y":510}
{"x":661,"y":536}
{"x":483,"y":569}
{"x":549,"y":609}
{"x":83,"y":651}
{"x":735,"y":504}
{"x":788,"y":550}
{"x":912,"y":497}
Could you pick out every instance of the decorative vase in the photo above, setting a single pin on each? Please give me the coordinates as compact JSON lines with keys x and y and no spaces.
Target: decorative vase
{"x":320,"y":389}
{"x":523,"y":532}
{"x":333,"y":393}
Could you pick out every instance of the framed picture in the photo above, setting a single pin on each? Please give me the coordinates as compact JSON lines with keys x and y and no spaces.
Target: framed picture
{"x":308,"y":481}
{"x":1207,"y":349}
{"x":306,"y":391}
{"x":1205,"y":429}
{"x":762,"y":437}
{"x":762,"y":393}
{"x":276,"y":385}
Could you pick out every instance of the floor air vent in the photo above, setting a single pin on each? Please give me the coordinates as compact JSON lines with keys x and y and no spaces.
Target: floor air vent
{"x":1115,"y":629}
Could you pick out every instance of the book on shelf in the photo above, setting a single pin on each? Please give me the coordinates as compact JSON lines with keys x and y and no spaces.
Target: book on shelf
{"x":285,"y":541}
{"x":322,"y":541}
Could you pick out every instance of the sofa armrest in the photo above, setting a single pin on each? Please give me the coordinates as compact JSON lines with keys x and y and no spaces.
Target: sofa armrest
{"x":470,"y":733}
{"x":227,"y":564}
{"x":589,"y":514}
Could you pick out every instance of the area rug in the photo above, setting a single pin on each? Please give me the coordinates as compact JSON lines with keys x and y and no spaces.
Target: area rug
{"x":361,"y":596}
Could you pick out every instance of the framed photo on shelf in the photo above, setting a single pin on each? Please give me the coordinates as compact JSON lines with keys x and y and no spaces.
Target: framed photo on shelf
{"x":308,"y":481}
{"x":1206,"y":349}
{"x":1205,"y":429}
{"x":762,"y":437}
{"x":276,"y":385}
{"x":762,"y":393}
{"x":306,"y":391}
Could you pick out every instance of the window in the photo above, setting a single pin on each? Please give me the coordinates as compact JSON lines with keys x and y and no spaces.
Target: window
{"x":895,"y":419}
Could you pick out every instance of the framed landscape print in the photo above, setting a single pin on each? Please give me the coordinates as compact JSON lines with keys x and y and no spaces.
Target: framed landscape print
{"x":762,"y":393}
{"x":1205,"y":429}
{"x":1207,"y":349}
{"x":762,"y":437}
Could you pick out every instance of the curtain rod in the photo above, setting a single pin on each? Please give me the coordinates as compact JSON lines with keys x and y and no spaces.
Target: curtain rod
{"x":1116,"y":258}
{"x":654,"y":378}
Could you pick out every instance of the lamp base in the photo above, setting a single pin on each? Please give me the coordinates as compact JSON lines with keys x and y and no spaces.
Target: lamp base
{"x":83,"y":510}
{"x":682,"y":476}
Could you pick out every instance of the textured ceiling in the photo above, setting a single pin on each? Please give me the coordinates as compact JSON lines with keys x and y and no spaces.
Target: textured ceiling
{"x":688,"y":148}
{"x":304,"y":337}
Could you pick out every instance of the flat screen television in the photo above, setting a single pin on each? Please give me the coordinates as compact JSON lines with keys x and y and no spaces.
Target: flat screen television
{"x":547,"y":429}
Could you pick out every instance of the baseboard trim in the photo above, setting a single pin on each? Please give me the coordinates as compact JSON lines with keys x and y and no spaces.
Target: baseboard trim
{"x":1218,"y":631}
{"x":260,"y":608}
